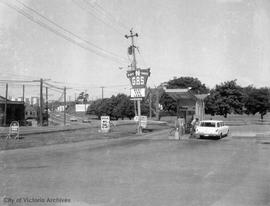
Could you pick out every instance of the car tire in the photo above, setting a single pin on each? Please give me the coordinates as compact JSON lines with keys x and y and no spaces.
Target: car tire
{"x":220,"y":136}
{"x":227,"y":133}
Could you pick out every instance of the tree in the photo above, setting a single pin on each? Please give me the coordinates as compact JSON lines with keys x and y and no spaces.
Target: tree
{"x":210,"y":103}
{"x":121,"y":104}
{"x":116,"y":107}
{"x":257,"y":101}
{"x":185,"y":82}
{"x":196,"y":87}
{"x":154,"y":94}
{"x":94,"y":108}
{"x":225,"y":99}
{"x":82,"y":98}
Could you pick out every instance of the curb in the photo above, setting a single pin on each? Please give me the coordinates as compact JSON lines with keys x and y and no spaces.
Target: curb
{"x":42,"y":130}
{"x":51,"y":130}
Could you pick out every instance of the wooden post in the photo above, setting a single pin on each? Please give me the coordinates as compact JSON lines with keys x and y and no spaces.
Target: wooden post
{"x":5,"y":112}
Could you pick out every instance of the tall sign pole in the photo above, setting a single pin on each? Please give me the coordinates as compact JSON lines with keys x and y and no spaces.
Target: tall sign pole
{"x":5,"y":115}
{"x":41,"y":103}
{"x":23,"y":93}
{"x":138,"y":78}
{"x":65,"y":102}
{"x":47,"y":107}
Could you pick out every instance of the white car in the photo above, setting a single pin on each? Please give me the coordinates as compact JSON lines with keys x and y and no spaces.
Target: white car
{"x":215,"y":128}
{"x":73,"y":119}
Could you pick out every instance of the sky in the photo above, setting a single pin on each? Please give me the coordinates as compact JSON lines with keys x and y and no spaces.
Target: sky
{"x":80,"y":44}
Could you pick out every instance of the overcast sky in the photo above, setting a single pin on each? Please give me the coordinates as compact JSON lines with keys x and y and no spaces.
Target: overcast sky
{"x":213,"y":40}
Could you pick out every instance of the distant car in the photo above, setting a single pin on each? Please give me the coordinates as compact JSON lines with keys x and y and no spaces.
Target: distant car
{"x":214,"y":128}
{"x":73,"y":119}
{"x":86,"y":121}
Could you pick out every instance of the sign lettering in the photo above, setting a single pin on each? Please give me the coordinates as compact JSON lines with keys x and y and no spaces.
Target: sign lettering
{"x":137,"y":92}
{"x":138,"y":78}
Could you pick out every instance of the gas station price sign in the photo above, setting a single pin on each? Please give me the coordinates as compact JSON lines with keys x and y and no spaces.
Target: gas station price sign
{"x":138,"y":78}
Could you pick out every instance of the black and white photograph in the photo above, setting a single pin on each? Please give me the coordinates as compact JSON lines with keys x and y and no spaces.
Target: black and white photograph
{"x":135,"y":103}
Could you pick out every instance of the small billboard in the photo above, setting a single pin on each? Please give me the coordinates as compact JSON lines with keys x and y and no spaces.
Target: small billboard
{"x":143,"y":121}
{"x":81,"y":107}
{"x":105,"y":123}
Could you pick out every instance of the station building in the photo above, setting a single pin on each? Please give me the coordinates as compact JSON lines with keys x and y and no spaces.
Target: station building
{"x":15,"y":111}
{"x":189,"y":105}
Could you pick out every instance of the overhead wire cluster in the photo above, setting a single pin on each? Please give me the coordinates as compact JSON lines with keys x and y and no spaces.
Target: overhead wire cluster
{"x":91,"y":7}
{"x":97,"y":11}
{"x":55,"y":87}
{"x":50,"y":25}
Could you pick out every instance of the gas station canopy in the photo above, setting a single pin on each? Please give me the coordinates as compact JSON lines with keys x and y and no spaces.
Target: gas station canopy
{"x":185,"y":98}
{"x":183,"y":94}
{"x":178,"y":94}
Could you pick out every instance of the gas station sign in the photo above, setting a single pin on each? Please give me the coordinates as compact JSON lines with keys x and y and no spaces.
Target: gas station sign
{"x":138,"y":78}
{"x":137,"y":92}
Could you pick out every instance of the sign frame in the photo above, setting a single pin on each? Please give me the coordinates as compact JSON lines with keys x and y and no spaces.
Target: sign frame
{"x":138,"y":78}
{"x":143,"y":121}
{"x":14,"y":128}
{"x":137,"y":92}
{"x":105,"y":124}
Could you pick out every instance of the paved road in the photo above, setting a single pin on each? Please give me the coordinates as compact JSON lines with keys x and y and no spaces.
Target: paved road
{"x":150,"y":170}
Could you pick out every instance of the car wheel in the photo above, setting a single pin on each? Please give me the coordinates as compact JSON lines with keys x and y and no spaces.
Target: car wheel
{"x":227,"y":133}
{"x":220,"y":136}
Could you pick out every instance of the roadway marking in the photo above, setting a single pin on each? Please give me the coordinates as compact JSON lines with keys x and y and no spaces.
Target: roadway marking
{"x":209,"y":174}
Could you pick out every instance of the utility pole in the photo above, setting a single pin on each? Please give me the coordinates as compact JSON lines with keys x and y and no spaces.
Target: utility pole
{"x":41,"y":103}
{"x":5,"y":115}
{"x":102,"y":92}
{"x":65,"y":102}
{"x":157,"y":103}
{"x":150,"y":103}
{"x":135,"y":108}
{"x":134,"y":67}
{"x":23,"y":93}
{"x":47,"y":113}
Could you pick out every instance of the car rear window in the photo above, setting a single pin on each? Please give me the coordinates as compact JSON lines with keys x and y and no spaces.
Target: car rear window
{"x":208,"y":124}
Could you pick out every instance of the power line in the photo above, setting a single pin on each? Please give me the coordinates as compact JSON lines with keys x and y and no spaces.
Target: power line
{"x":53,"y":86}
{"x":111,"y":16}
{"x":64,"y":36}
{"x":82,"y":85}
{"x":96,"y":10}
{"x":55,"y":90}
{"x":18,"y":75}
{"x":69,"y":32}
{"x":17,"y":81}
{"x":142,"y":58}
{"x":88,"y":10}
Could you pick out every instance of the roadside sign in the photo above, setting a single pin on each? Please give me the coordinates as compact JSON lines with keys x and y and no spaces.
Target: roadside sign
{"x":143,"y":121}
{"x":138,"y":78}
{"x":14,"y":130}
{"x":136,"y":99}
{"x":105,"y":123}
{"x":137,"y":92}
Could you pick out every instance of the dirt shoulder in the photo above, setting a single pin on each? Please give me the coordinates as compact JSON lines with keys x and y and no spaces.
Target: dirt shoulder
{"x":70,"y":136}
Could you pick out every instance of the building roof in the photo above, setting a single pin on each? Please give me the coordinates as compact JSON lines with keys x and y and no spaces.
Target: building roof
{"x":178,"y":94}
{"x":184,"y":94}
{"x":201,"y":96}
{"x":3,"y":101}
